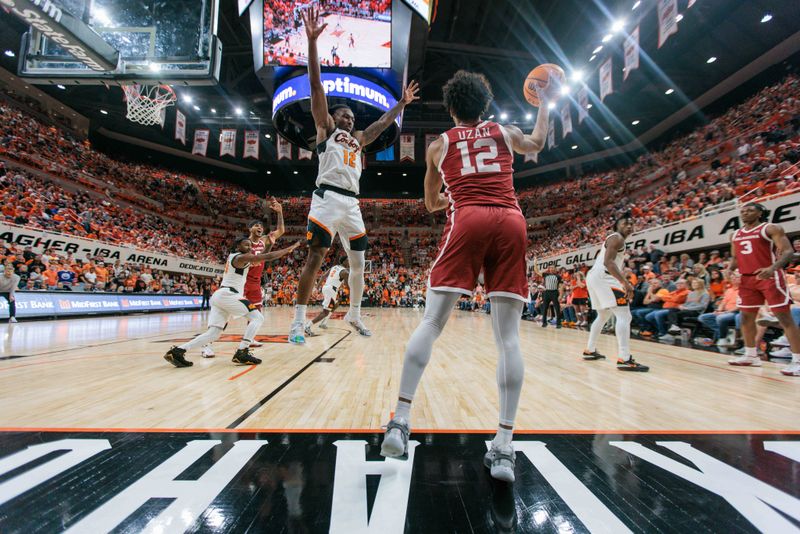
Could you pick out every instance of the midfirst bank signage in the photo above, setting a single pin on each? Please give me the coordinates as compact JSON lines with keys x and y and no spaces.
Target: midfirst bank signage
{"x":228,"y":481}
{"x":692,"y":234}
{"x":335,"y":85}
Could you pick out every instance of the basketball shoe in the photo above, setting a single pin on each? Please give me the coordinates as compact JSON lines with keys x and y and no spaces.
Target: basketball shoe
{"x":296,"y":332}
{"x":207,"y":351}
{"x":256,"y":344}
{"x":244,"y":356}
{"x":175,"y":356}
{"x":593,"y":355}
{"x":745,"y":361}
{"x":793,"y":369}
{"x":395,"y":440}
{"x":357,"y":325}
{"x":500,"y":462}
{"x":631,"y":365}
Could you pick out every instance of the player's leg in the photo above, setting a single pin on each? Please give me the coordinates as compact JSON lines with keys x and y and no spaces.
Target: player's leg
{"x":217,"y":318}
{"x":254,"y":321}
{"x":355,"y":245}
{"x":622,"y":329}
{"x":255,"y":296}
{"x":418,"y":353}
{"x":602,"y":297}
{"x":319,"y":237}
{"x":748,"y":327}
{"x":792,"y":333}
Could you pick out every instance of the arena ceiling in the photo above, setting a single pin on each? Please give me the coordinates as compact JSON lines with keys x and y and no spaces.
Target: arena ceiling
{"x":504,"y":39}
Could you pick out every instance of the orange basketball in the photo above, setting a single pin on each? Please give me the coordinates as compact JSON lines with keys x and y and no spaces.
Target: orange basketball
{"x":548,"y":77}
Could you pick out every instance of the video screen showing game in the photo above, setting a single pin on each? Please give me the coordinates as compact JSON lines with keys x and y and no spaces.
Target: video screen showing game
{"x":359,"y":33}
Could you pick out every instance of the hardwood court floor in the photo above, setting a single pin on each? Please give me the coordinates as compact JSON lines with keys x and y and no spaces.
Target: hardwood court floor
{"x":108,"y":373}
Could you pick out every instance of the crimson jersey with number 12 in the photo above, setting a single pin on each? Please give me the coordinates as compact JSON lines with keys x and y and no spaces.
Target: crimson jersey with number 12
{"x":477,"y":166}
{"x":753,"y":248}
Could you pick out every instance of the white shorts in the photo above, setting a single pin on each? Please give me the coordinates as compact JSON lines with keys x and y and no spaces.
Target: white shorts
{"x":332,"y":213}
{"x":605,"y":291}
{"x":329,"y":297}
{"x":227,"y":305}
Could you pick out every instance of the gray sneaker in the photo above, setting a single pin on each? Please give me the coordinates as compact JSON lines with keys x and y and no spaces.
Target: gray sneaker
{"x":358,"y":325}
{"x":296,"y":332}
{"x":500,"y":462}
{"x":395,"y":440}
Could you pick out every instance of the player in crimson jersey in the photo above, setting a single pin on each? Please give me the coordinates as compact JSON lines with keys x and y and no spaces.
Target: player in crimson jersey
{"x":760,"y":251}
{"x":485,"y":230}
{"x":260,"y":244}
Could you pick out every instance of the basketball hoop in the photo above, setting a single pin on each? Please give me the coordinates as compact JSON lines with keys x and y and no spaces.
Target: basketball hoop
{"x":146,"y":102}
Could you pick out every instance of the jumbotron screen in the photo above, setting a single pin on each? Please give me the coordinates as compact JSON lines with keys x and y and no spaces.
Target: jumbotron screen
{"x":359,"y":33}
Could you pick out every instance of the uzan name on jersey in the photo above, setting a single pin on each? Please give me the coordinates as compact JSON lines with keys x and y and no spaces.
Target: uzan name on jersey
{"x":345,"y":139}
{"x":474,"y":133}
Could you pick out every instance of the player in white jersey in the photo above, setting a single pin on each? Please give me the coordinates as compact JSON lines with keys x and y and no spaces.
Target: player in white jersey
{"x":228,"y":302}
{"x":610,"y":294}
{"x":334,"y":206}
{"x":335,"y":278}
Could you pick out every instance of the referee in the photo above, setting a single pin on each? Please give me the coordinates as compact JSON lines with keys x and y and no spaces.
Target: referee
{"x":550,"y":295}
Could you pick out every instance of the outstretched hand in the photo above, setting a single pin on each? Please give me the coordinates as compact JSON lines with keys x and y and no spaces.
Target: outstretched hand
{"x":410,"y":93}
{"x":312,"y":23}
{"x":274,"y":205}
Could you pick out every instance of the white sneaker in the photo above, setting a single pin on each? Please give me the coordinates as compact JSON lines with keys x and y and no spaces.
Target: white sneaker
{"x":745,"y":361}
{"x":357,"y":325}
{"x":780,"y":342}
{"x":768,"y":320}
{"x":783,"y":352}
{"x":674,"y":329}
{"x":207,"y":351}
{"x":296,"y":332}
{"x":12,"y":320}
{"x":500,"y":462}
{"x":324,"y":326}
{"x":667,"y":338}
{"x":793,"y":369}
{"x":256,"y":344}
{"x":395,"y":440}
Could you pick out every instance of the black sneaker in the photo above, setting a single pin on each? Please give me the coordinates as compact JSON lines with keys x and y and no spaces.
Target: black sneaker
{"x":593,"y":356}
{"x":175,"y":356}
{"x":631,"y":365}
{"x":244,"y":356}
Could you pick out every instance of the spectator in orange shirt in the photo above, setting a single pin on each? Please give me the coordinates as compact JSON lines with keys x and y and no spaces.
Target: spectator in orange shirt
{"x":724,"y":315}
{"x":673,"y":299}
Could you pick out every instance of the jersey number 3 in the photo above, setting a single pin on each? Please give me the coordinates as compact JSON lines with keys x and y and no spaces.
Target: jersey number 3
{"x":747,"y":247}
{"x":480,"y":159}
{"x":349,"y":158}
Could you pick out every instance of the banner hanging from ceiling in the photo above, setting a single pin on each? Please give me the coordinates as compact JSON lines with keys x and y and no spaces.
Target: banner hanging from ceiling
{"x":631,"y":52}
{"x":667,"y":20}
{"x":200,"y":145}
{"x":606,"y":79}
{"x":227,"y":142}
{"x":251,"y":144}
{"x":180,"y":126}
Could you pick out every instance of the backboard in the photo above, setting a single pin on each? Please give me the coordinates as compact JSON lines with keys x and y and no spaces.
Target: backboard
{"x":120,"y":41}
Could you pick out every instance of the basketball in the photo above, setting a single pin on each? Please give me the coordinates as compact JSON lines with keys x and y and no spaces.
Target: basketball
{"x":546,"y":76}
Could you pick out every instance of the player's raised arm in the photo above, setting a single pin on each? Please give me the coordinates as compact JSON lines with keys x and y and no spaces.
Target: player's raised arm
{"x":319,"y":103}
{"x":375,"y":129}
{"x":275,"y":206}
{"x":243,"y":259}
{"x":434,"y":198}
{"x":535,"y":141}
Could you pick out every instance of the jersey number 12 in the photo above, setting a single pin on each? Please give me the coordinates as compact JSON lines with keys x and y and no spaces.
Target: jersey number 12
{"x":349,"y":158}
{"x":480,"y":159}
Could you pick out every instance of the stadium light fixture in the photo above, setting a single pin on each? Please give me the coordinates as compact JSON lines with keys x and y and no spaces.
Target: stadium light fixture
{"x":565,"y":89}
{"x":503,"y":116}
{"x":187,"y":99}
{"x":268,"y":136}
{"x":196,"y":107}
{"x":405,"y":174}
{"x":635,"y":122}
{"x":551,"y":105}
{"x":577,"y":75}
{"x":528,"y":116}
{"x":606,"y":138}
{"x":104,"y":112}
{"x":679,"y":17}
{"x":155,"y":67}
{"x":606,"y":38}
{"x":636,"y":4}
{"x":669,"y":91}
{"x":61,"y":87}
{"x":593,"y":56}
{"x":597,"y":50}
{"x":588,"y":106}
{"x":766,"y":18}
{"x":269,"y":172}
{"x":294,"y":172}
{"x":213,"y":110}
{"x":9,"y":53}
{"x":380,"y":174}
{"x":574,"y":147}
{"x":712,"y":59}
{"x":491,"y":117}
{"x":238,"y":111}
{"x":618,"y":25}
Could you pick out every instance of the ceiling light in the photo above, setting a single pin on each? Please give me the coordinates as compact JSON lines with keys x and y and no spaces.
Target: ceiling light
{"x":606,"y":138}
{"x":574,"y":147}
{"x":635,"y":122}
{"x":269,"y":172}
{"x":213,"y":110}
{"x":551,"y":105}
{"x":606,"y":38}
{"x":679,"y":18}
{"x":618,"y":25}
{"x":104,"y":112}
{"x":592,"y":58}
{"x":101,"y":15}
{"x":577,"y":76}
{"x":491,"y":117}
{"x":295,"y":172}
{"x":503,"y":116}
{"x":239,"y":111}
{"x":187,"y":99}
{"x":669,"y":91}
{"x":61,"y":87}
{"x":268,"y":136}
{"x":196,"y":108}
{"x":565,"y":89}
{"x":404,"y":174}
{"x":380,"y":174}
{"x":155,"y":67}
{"x":9,"y":53}
{"x":528,"y":116}
{"x":252,"y":113}
{"x":588,"y":106}
{"x":636,"y":4}
{"x":597,"y":50}
{"x":766,"y":18}
{"x":712,"y":59}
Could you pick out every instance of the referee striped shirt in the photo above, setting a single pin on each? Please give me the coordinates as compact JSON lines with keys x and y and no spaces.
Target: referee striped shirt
{"x":551,"y":282}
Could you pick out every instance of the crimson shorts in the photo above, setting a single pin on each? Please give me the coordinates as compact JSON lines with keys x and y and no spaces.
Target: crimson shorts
{"x":753,"y":292}
{"x":491,"y":238}
{"x":253,"y":294}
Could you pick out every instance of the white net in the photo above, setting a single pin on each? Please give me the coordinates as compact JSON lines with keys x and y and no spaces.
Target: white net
{"x":147,"y":102}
